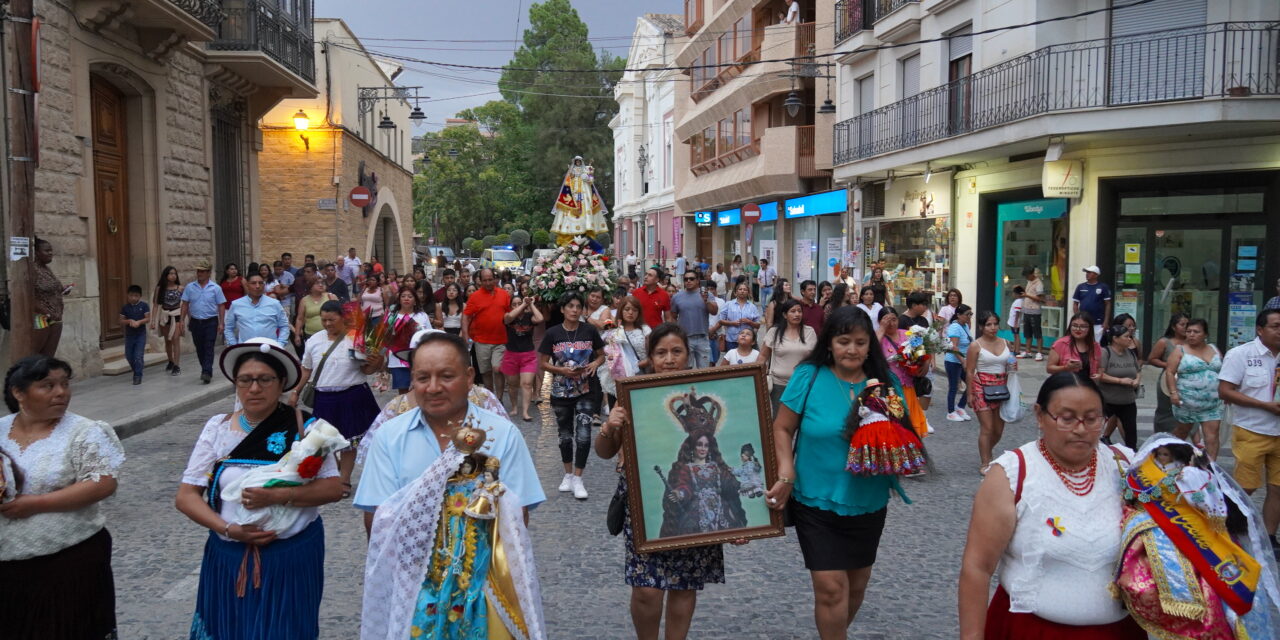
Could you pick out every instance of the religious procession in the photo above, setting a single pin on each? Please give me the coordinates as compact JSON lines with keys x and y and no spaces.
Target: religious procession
{"x":691,"y":398}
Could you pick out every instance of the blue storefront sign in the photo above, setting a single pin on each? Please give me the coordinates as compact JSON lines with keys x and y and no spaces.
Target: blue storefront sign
{"x":729,"y":218}
{"x":702,"y":218}
{"x":817,"y":204}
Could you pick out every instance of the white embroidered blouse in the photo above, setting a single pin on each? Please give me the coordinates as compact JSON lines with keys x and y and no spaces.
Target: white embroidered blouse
{"x":78,"y":449}
{"x":1063,"y":577}
{"x":218,"y":439}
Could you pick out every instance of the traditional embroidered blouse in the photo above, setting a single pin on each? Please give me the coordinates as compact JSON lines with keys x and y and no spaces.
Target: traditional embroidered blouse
{"x":219,"y":438}
{"x":78,"y":449}
{"x":1063,"y":577}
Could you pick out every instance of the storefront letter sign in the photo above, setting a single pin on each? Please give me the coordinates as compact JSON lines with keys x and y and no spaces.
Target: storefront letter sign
{"x":1063,"y":179}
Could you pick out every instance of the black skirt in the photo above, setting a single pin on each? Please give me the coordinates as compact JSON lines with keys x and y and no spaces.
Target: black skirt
{"x":832,"y":542}
{"x":67,"y":595}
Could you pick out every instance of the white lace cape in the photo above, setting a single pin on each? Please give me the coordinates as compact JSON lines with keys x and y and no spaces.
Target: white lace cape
{"x":400,"y":545}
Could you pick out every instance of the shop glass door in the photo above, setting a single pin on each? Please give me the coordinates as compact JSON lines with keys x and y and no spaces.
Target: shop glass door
{"x":1033,"y":234}
{"x":1247,"y":288}
{"x":1130,"y":291}
{"x":1187,"y":264}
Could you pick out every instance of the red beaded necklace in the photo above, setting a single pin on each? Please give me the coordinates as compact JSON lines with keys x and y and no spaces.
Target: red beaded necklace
{"x":1070,"y":479}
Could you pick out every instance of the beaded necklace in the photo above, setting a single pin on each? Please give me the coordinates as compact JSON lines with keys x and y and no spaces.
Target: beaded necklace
{"x":1072,"y":480}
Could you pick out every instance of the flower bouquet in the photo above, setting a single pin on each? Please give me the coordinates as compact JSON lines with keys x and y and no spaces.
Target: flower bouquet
{"x":371,"y":335}
{"x":573,"y":267}
{"x":917,"y":350}
{"x":297,"y":467}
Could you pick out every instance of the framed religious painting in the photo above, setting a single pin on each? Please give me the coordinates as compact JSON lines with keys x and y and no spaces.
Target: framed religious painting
{"x":699,"y":457}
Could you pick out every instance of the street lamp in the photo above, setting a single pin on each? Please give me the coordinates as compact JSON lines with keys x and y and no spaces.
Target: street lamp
{"x":386,"y":122}
{"x":300,"y":123}
{"x":793,"y":104}
{"x":417,"y":115}
{"x":643,"y":161}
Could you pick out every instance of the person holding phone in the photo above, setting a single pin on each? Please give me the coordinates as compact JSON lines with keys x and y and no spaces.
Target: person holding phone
{"x":1077,"y":351}
{"x":692,"y":307}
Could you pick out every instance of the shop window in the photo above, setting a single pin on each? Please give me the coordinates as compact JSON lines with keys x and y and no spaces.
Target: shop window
{"x":916,"y":254}
{"x":1034,"y":234}
{"x":743,"y":117}
{"x":873,"y":200}
{"x":726,"y":135}
{"x":708,"y":143}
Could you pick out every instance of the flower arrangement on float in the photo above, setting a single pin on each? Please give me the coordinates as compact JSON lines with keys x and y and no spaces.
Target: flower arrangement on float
{"x":917,"y":350}
{"x":575,"y":266}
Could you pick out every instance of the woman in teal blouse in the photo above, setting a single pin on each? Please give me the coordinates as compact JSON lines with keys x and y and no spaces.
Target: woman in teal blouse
{"x":838,"y":516}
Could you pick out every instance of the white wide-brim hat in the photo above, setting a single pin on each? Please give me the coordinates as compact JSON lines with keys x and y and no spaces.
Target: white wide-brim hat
{"x":404,"y":354}
{"x":292,"y":369}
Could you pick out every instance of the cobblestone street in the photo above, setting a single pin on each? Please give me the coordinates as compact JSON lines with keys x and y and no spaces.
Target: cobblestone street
{"x":767,"y":594}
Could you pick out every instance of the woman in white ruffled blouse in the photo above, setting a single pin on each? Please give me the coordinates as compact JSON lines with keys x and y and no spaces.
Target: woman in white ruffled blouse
{"x":55,"y":552}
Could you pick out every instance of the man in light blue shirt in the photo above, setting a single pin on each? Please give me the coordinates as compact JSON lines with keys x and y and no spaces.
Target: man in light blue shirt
{"x":255,"y":316}
{"x":202,"y":311}
{"x":738,"y":314}
{"x":403,"y":447}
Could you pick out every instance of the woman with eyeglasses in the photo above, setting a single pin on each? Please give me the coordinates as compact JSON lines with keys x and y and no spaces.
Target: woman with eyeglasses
{"x":1120,"y":377}
{"x":1048,"y":518}
{"x":256,"y":582}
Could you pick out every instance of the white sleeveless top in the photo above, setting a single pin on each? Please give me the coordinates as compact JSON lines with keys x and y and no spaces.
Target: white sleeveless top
{"x":991,"y":363}
{"x":1066,"y":578}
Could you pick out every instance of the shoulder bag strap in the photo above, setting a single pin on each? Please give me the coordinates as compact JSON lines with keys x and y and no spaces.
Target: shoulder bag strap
{"x":1022,"y":475}
{"x":320,"y":367}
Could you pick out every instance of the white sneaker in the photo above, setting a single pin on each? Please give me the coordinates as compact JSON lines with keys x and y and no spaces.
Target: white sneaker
{"x":1024,"y":354}
{"x":954,"y":417}
{"x":1039,"y":357}
{"x":964,"y":415}
{"x":579,"y":491}
{"x":928,"y":427}
{"x":566,"y":485}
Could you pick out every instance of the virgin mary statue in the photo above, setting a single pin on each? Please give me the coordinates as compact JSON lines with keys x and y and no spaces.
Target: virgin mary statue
{"x":579,"y":211}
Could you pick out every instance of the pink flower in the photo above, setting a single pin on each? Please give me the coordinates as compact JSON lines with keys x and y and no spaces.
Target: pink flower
{"x":538,"y":269}
{"x":591,"y":277}
{"x":570,"y":279}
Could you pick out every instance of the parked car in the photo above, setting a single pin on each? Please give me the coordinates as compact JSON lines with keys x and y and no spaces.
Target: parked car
{"x":427,"y":253}
{"x":499,"y":258}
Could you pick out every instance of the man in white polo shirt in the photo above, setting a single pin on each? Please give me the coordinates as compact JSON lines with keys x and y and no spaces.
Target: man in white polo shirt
{"x":1248,"y":379}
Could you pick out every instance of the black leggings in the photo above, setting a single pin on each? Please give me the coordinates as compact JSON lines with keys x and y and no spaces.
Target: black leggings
{"x":573,"y":422}
{"x":1128,"y":416}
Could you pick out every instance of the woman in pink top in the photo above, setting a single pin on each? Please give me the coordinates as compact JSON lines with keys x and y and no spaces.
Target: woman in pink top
{"x":890,"y":337}
{"x":1076,"y":351}
{"x":373,"y":298}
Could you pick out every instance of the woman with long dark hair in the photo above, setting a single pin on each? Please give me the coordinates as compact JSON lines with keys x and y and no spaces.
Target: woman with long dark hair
{"x":449,"y":311}
{"x":168,"y":321}
{"x":1193,"y":386}
{"x":838,"y":516}
{"x":958,"y":334}
{"x":867,"y":302}
{"x":232,"y":284}
{"x":1076,"y":351}
{"x":879,"y":285}
{"x":785,"y":345}
{"x":839,"y":298}
{"x":702,"y":491}
{"x":781,"y":291}
{"x":988,"y":362}
{"x":409,"y":308}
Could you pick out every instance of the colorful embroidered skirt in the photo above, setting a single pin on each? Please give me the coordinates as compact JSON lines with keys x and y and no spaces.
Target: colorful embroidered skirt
{"x":1003,"y":624}
{"x":285,"y":604}
{"x":67,"y":595}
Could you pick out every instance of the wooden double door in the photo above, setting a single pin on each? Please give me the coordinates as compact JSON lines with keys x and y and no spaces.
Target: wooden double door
{"x":111,"y":201}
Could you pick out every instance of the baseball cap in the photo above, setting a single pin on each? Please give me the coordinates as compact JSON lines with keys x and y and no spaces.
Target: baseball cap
{"x":1093,"y":269}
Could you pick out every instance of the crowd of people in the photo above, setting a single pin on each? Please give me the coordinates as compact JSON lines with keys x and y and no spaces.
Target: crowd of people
{"x":1052,"y":519}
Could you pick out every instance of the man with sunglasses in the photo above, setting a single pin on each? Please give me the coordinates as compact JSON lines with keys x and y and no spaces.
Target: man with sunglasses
{"x":692,"y":308}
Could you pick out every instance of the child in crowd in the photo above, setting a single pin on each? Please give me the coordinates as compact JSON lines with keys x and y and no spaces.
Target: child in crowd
{"x":134,"y":316}
{"x":1015,"y":320}
{"x":746,"y":352}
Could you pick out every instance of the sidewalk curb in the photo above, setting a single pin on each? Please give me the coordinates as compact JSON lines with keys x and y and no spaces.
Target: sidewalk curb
{"x":149,"y":419}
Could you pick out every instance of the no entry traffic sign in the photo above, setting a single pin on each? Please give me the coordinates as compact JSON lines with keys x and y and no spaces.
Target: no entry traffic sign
{"x":750,"y":213}
{"x":360,"y":197}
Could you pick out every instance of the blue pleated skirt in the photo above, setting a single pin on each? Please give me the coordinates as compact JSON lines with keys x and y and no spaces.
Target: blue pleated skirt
{"x":286,"y":605}
{"x":351,"y":410}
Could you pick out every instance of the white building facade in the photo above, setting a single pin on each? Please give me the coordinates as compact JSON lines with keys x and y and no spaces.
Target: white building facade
{"x":645,"y":217}
{"x":1140,"y":139}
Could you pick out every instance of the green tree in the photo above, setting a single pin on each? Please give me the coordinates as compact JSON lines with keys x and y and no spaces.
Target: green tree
{"x":555,"y":128}
{"x":454,"y":190}
{"x":520,"y":238}
{"x":467,"y":242}
{"x":489,"y":241}
{"x":477,"y":247}
{"x":541,"y":238}
{"x":502,"y":238}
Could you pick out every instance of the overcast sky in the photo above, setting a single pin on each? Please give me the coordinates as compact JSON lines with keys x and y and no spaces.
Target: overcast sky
{"x":493,"y":22}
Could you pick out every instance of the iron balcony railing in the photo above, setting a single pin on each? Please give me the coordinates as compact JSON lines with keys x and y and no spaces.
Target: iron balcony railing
{"x":852,"y":16}
{"x":260,"y":25}
{"x":207,"y":11}
{"x":1222,"y":59}
{"x":886,"y":7}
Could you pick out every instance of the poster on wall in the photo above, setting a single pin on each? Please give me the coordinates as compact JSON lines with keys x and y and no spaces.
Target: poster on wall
{"x":1127,"y":302}
{"x":915,"y":198}
{"x":804,"y":259}
{"x":835,"y":247}
{"x":1241,"y":313}
{"x":769,"y":250}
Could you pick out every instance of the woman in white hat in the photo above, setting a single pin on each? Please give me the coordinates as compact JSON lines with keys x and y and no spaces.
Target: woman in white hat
{"x":256,"y":583}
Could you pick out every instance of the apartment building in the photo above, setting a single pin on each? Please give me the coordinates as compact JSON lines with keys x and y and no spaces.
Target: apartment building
{"x":980,"y":139}
{"x":644,"y":210}
{"x":750,"y":128}
{"x":147,"y":145}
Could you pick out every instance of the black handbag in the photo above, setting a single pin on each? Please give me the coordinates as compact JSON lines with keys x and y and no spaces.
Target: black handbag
{"x":617,"y":513}
{"x":995,"y":393}
{"x":923,"y":385}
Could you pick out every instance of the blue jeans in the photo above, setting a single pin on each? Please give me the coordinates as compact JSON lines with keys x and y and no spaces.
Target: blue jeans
{"x":765,"y":294}
{"x":955,"y":375}
{"x":204,"y":334}
{"x":715,"y":350}
{"x":700,"y":352}
{"x":134,"y":346}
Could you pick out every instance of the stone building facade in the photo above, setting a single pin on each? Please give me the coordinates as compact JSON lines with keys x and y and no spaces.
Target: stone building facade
{"x":147,"y":141}
{"x":306,"y":176}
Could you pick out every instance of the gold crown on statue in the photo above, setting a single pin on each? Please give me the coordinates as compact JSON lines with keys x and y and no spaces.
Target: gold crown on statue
{"x":468,"y":439}
{"x":696,"y":412}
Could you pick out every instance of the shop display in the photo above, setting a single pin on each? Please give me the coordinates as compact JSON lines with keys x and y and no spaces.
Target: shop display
{"x":916,"y":255}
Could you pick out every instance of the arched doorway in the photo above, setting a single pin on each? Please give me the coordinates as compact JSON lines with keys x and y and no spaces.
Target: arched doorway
{"x":386,"y":240}
{"x":110,"y":200}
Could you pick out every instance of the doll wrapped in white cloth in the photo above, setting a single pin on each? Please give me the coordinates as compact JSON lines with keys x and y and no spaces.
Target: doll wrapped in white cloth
{"x":297,"y":467}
